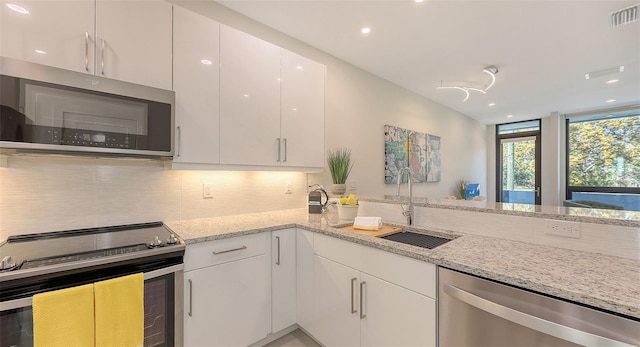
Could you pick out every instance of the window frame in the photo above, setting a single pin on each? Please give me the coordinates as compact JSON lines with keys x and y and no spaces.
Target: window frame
{"x":538,"y":164}
{"x":588,"y":189}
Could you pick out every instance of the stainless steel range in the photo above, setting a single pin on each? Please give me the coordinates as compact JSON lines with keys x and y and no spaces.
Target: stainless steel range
{"x":37,"y":263}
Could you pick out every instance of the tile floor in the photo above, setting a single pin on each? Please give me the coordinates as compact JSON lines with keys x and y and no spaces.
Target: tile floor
{"x":296,"y":338}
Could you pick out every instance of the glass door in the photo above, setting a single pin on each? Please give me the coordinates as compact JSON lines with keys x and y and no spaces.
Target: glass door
{"x":518,"y":161}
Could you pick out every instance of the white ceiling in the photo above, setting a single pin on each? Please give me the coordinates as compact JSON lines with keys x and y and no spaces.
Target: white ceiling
{"x":541,"y":48}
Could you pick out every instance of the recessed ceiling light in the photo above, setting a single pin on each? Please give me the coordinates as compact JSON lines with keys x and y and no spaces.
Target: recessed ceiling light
{"x":299,"y":67}
{"x":18,"y":9}
{"x":611,"y":81}
{"x":39,"y":51}
{"x":365,"y":30}
{"x":492,"y":104}
{"x":610,"y":100}
{"x":206,"y":61}
{"x":509,"y":116}
{"x":246,"y":95}
{"x":419,"y":0}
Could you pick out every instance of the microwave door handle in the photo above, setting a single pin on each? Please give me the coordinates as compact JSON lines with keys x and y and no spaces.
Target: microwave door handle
{"x":532,"y":322}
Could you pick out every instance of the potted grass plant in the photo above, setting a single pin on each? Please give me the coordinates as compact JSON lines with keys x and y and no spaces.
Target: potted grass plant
{"x":340,"y":165}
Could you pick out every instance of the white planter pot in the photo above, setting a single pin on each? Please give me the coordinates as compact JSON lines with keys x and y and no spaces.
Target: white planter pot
{"x":347,"y":212}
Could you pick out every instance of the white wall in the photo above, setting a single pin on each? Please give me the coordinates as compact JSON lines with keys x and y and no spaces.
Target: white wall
{"x":360,"y":104}
{"x":45,"y":193}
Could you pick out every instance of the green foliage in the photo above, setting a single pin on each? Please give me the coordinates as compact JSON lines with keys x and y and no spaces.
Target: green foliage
{"x":340,"y":164}
{"x":519,"y":165}
{"x":605,"y":153}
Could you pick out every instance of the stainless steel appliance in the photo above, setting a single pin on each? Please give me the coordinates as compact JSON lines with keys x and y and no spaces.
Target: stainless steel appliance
{"x":50,"y":109}
{"x":38,"y":263}
{"x":477,"y":312}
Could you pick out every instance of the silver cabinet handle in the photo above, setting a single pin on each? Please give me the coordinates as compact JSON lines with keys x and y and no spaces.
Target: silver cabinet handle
{"x":102,"y":56}
{"x":362,"y":314}
{"x":285,"y":149}
{"x":179,"y":138}
{"x":353,"y":291}
{"x":279,"y":148}
{"x":532,"y":322}
{"x":230,"y":250}
{"x":86,"y":51}
{"x":278,"y":240}
{"x":190,"y":313}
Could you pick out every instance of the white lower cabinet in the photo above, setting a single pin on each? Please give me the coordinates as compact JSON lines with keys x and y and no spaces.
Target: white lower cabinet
{"x":283,"y":279}
{"x":358,"y":308}
{"x":227,"y":288}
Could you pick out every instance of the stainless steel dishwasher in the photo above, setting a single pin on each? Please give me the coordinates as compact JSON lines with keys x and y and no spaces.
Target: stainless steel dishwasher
{"x":476,"y":312}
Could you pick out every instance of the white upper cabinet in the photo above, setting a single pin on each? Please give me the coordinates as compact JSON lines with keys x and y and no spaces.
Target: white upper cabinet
{"x":302,"y":112}
{"x":196,"y":75}
{"x":249,"y":99}
{"x":272,"y":104}
{"x":134,"y":41}
{"x":54,"y":33}
{"x":125,"y":40}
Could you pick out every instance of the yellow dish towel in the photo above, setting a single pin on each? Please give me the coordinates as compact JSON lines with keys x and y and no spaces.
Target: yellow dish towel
{"x":119,"y":312}
{"x":64,"y":317}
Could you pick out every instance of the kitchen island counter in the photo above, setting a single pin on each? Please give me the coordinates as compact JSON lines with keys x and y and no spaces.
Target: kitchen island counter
{"x":602,"y":281}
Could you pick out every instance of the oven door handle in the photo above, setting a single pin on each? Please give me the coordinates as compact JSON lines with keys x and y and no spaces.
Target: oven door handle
{"x":26,"y":302}
{"x":532,"y":322}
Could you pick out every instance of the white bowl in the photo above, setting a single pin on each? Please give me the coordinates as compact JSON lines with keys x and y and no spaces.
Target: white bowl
{"x":347,"y":211}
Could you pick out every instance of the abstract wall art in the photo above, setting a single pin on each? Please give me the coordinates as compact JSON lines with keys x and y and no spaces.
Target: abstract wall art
{"x":419,"y":151}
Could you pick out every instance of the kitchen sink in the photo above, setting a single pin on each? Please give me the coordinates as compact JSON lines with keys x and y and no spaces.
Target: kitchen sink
{"x":416,"y":239}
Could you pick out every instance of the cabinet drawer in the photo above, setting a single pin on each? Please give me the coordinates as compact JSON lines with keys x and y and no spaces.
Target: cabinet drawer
{"x":209,"y":253}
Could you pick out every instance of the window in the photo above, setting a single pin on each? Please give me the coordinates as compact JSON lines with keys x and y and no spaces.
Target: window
{"x":518,"y":161}
{"x":603,"y":160}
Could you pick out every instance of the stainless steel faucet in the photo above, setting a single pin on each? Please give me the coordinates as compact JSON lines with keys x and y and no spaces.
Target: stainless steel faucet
{"x":409,"y":211}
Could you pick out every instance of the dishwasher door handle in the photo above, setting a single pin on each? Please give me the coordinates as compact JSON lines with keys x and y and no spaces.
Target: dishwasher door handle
{"x":532,"y":322}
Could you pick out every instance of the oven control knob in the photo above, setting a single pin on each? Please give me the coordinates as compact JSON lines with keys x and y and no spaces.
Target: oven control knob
{"x":7,"y":264}
{"x":156,"y":242}
{"x":172,"y":240}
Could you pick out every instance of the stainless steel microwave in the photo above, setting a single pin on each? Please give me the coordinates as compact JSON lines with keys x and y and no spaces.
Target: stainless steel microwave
{"x":44,"y":108}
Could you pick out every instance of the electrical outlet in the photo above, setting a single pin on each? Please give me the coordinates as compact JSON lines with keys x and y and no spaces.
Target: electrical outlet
{"x":562,"y":228}
{"x":287,"y":189}
{"x":207,"y":190}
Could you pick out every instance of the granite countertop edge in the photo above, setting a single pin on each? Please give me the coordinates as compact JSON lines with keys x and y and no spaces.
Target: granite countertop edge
{"x":451,"y":255}
{"x":572,"y":214}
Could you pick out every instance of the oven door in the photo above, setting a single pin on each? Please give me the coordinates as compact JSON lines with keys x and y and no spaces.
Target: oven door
{"x":163,"y":311}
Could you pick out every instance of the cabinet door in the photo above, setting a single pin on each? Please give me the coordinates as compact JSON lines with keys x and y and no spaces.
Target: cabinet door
{"x":283,"y":279}
{"x":304,"y":277}
{"x":134,"y":41}
{"x":226,"y":305}
{"x":54,"y":33}
{"x":395,"y":316}
{"x":337,"y":303}
{"x":249,"y":99}
{"x":196,"y":81}
{"x":302,"y":111}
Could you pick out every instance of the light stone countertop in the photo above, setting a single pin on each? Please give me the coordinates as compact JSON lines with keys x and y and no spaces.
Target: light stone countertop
{"x":602,"y":281}
{"x":574,"y":214}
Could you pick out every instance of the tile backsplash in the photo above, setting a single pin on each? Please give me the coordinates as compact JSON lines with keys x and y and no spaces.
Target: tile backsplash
{"x":40,"y":193}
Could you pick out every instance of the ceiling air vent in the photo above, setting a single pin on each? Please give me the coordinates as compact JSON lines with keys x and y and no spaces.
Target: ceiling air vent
{"x":625,"y":16}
